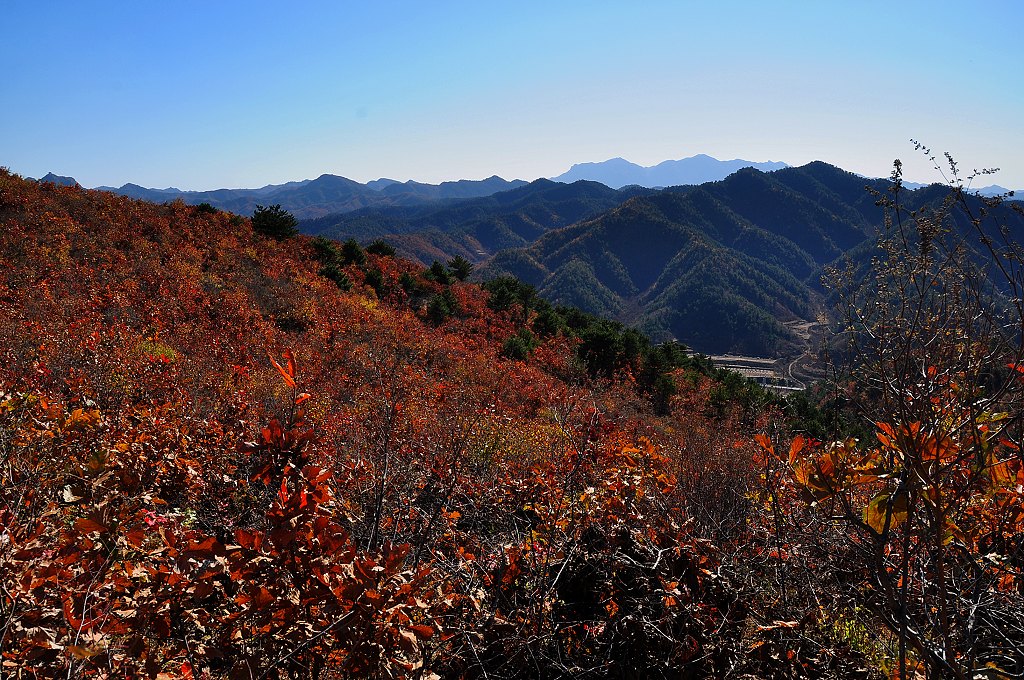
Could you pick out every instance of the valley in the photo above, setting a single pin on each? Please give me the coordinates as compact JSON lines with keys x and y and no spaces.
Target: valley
{"x":793,"y":372}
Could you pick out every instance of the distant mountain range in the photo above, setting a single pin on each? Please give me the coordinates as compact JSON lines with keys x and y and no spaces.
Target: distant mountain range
{"x":990,"y":191}
{"x":698,"y":169}
{"x":333,"y":194}
{"x":325,"y":195}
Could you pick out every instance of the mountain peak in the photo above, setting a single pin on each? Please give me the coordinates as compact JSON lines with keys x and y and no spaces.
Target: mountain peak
{"x":618,"y":172}
{"x":380,"y":184}
{"x":59,"y":180}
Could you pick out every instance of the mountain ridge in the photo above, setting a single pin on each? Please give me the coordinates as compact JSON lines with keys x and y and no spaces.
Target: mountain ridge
{"x":311,"y":198}
{"x":474,"y":228}
{"x":721,"y":267}
{"x":618,"y":172}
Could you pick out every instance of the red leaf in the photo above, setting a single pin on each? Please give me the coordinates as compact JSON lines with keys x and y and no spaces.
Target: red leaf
{"x":248,"y":539}
{"x":290,"y":358}
{"x":794,"y":450}
{"x":70,"y":615}
{"x":764,"y":443}
{"x":422,"y":631}
{"x":204,"y":550}
{"x":86,"y":525}
{"x":263,"y":598}
{"x":135,"y":537}
{"x":289,"y":377}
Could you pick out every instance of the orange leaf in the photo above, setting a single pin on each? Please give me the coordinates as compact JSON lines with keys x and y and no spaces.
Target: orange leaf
{"x":802,"y":473}
{"x":422,"y":631}
{"x":86,"y":525}
{"x":290,"y":358}
{"x":301,"y":398}
{"x":288,"y":377}
{"x":1002,"y":473}
{"x":263,"y":598}
{"x":83,"y":652}
{"x":797,"y":446}
{"x":886,"y":429}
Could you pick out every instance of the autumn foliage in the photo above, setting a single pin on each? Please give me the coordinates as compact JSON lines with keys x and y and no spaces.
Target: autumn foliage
{"x":218,"y":463}
{"x":228,"y":455}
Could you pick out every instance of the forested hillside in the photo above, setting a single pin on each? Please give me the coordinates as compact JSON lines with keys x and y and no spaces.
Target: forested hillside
{"x":224,"y":454}
{"x":475,"y":229}
{"x":721,"y":267}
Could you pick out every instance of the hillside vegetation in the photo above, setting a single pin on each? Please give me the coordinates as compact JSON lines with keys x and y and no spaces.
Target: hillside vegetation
{"x":229,"y":455}
{"x":723,"y":266}
{"x":477,"y":228}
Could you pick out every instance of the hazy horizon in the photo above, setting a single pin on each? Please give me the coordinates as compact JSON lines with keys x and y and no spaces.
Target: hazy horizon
{"x":454,"y":179}
{"x":241,"y":95}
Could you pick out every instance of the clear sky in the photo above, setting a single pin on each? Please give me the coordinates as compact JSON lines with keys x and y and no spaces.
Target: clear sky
{"x":212,"y":93}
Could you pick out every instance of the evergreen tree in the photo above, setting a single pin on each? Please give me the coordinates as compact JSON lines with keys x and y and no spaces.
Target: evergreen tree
{"x":274,"y":221}
{"x":460,"y":267}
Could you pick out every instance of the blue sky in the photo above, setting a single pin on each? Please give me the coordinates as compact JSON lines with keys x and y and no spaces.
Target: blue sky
{"x":201,"y":95}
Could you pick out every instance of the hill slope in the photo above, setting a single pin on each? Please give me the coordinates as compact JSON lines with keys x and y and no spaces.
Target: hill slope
{"x":721,"y":267}
{"x":229,"y":456}
{"x":226,"y":456}
{"x":475,"y":228}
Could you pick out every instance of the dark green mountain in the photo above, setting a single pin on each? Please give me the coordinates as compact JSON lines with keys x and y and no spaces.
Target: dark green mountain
{"x":680,"y":265}
{"x":721,"y":267}
{"x":325,"y":195}
{"x":58,"y":180}
{"x":475,"y":228}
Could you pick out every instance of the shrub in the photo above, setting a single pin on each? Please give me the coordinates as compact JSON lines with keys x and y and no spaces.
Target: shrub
{"x":442,"y":306}
{"x":333,"y":272}
{"x":519,"y":346}
{"x":326,"y":250}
